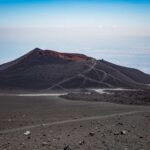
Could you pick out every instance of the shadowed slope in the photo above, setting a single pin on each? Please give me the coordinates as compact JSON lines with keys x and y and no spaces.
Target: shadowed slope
{"x":46,"y":69}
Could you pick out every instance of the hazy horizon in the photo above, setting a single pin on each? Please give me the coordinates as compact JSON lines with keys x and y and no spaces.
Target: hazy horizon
{"x":117,"y":31}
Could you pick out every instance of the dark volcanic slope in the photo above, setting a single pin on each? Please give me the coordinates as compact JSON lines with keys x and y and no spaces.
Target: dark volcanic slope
{"x":132,"y":73}
{"x":46,"y":69}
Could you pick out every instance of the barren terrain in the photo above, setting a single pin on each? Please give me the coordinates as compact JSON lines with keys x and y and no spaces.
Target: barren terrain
{"x":53,"y":123}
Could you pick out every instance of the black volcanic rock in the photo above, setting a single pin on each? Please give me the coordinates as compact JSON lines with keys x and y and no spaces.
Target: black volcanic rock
{"x":47,"y":69}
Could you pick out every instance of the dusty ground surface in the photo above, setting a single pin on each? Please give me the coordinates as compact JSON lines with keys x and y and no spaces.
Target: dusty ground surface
{"x":58,"y":124}
{"x":130,"y":97}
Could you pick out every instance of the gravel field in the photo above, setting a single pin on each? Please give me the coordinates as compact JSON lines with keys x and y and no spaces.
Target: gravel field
{"x":53,"y":123}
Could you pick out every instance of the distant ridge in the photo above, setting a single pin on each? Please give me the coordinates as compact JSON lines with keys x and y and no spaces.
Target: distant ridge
{"x":48,"y":69}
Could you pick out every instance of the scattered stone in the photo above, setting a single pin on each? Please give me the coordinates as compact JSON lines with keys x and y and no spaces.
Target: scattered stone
{"x":103,"y":134}
{"x":141,"y":137}
{"x":44,"y":135}
{"x":22,"y":143}
{"x":103,"y":142}
{"x":49,"y":140}
{"x":123,"y":132}
{"x":67,"y":147}
{"x":27,"y":133}
{"x":44,"y":143}
{"x":120,"y":123}
{"x":116,"y":133}
{"x":91,"y":133}
{"x":81,"y":142}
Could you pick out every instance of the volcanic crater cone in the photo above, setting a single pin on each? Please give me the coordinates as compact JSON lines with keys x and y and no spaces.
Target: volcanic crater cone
{"x":47,"y":69}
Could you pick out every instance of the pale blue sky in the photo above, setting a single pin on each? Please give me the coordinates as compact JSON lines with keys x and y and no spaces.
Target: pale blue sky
{"x":116,"y":30}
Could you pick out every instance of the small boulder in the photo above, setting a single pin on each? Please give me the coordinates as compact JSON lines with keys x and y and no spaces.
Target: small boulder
{"x":27,"y":133}
{"x":81,"y":142}
{"x":141,"y":137}
{"x":120,"y":123}
{"x":123,"y":132}
{"x":67,"y":147}
{"x":91,"y":133}
{"x":44,"y":143}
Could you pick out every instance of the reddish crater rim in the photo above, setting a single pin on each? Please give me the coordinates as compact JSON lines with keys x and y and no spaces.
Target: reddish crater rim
{"x":67,"y":56}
